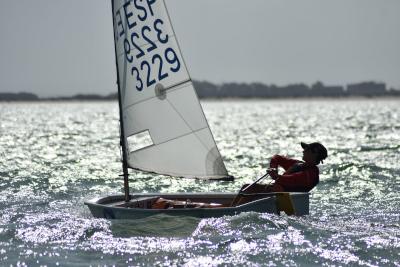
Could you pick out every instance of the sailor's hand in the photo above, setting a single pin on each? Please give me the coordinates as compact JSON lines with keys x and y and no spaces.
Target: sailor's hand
{"x":273,"y":172}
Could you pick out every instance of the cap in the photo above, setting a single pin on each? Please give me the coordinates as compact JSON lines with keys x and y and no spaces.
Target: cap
{"x":317,"y":148}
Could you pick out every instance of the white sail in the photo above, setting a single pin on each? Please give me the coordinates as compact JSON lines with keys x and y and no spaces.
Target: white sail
{"x":164,"y":125}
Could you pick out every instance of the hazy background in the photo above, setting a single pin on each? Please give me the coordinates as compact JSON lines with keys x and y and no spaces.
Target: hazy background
{"x":58,"y":48}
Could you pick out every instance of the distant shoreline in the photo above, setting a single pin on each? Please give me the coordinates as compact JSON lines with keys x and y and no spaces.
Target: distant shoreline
{"x":228,"y":99}
{"x":207,"y":90}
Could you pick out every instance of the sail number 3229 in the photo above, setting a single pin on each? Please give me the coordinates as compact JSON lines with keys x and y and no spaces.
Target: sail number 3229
{"x":163,"y":62}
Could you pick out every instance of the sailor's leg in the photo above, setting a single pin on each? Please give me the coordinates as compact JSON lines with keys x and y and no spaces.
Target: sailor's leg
{"x":274,"y":188}
{"x":256,"y":188}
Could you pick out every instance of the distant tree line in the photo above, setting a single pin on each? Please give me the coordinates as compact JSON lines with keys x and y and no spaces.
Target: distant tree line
{"x":259,"y":90}
{"x":245,"y":90}
{"x":18,"y":97}
{"x":33,"y":97}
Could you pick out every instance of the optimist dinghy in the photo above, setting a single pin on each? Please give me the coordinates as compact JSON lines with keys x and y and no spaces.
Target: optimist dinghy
{"x":162,"y":125}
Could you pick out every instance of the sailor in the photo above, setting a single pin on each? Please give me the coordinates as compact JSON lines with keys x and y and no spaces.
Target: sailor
{"x":299,"y":176}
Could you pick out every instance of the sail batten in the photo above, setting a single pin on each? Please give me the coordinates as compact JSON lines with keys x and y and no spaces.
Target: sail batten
{"x":165,"y":127}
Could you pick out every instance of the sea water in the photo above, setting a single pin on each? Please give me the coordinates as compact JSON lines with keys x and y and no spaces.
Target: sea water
{"x":55,"y":155}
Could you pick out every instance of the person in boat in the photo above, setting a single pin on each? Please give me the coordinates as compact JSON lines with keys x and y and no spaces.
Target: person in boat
{"x":299,"y":176}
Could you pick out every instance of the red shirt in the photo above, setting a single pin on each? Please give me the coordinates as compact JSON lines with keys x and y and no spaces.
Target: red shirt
{"x":298,"y":176}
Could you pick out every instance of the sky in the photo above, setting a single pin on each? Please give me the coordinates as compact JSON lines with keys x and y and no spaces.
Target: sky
{"x":65,"y":47}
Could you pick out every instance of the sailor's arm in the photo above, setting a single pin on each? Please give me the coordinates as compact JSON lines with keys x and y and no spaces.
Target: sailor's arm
{"x":284,"y":162}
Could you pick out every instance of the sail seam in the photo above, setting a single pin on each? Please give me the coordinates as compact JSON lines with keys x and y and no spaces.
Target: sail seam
{"x":184,"y":64}
{"x":191,"y":128}
{"x":170,"y":88}
{"x":193,"y":131}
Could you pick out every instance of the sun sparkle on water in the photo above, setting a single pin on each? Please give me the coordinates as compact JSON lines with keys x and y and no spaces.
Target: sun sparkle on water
{"x":54,"y":156}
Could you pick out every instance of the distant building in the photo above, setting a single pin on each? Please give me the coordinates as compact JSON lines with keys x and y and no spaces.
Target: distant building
{"x":394,"y":92}
{"x":366,"y":89}
{"x":319,"y":89}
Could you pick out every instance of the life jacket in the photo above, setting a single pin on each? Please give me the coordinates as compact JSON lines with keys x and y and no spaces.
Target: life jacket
{"x":299,"y":178}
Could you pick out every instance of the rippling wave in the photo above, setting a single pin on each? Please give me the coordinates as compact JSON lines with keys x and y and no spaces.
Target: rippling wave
{"x":53,"y":156}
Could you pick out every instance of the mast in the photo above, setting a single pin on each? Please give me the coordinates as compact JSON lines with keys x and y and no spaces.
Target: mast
{"x":121,"y":121}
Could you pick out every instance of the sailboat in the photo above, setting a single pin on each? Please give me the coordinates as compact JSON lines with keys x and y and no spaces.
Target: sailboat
{"x":163,"y":129}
